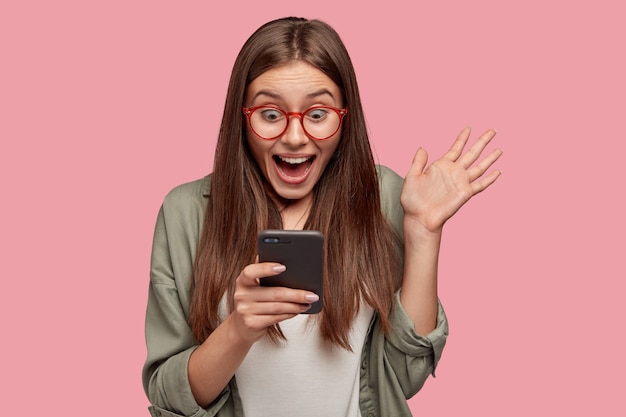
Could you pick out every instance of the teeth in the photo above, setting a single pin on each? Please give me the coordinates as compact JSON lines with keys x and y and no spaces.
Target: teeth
{"x":294,"y":161}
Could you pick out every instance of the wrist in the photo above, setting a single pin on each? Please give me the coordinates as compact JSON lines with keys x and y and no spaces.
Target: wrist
{"x":234,"y":334}
{"x":414,"y":229}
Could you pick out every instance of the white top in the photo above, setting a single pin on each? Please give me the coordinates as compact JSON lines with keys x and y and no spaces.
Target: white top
{"x":303,"y":376}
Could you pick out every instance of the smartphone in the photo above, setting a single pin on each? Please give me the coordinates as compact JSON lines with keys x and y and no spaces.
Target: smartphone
{"x":302,"y":252}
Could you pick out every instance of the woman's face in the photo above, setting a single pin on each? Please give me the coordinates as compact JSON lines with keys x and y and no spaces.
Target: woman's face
{"x":293,"y":163}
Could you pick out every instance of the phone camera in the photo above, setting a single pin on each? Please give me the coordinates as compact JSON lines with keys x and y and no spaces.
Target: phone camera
{"x":271,"y":240}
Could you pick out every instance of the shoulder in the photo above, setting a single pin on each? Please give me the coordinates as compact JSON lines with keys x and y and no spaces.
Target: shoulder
{"x":388,"y":180}
{"x":186,"y":203}
{"x":188,"y":195}
{"x":194,"y":190}
{"x":390,"y":185}
{"x":387,"y":173}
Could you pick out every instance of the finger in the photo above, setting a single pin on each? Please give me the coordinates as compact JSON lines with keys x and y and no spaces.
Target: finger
{"x":263,"y":322}
{"x":249,"y":290}
{"x":252,"y":273}
{"x":476,"y":149}
{"x":479,"y":169}
{"x":483,"y":183}
{"x":286,"y":295}
{"x":277,"y":308}
{"x":269,"y":312}
{"x":457,"y":147}
{"x":419,"y":162}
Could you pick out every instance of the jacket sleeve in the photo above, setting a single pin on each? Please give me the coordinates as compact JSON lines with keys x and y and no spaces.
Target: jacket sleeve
{"x":169,"y":340}
{"x":411,"y":356}
{"x":394,"y":368}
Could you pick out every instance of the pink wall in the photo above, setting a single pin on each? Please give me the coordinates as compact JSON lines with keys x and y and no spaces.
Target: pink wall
{"x":104,"y":108}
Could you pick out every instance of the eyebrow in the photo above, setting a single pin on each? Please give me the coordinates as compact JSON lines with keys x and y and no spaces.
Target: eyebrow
{"x":274,"y":95}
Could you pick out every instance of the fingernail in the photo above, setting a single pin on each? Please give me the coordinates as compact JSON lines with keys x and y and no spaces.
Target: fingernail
{"x":279,"y":268}
{"x":311,"y":297}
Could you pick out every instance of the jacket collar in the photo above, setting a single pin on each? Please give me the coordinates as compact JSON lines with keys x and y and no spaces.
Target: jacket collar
{"x":206,"y":186}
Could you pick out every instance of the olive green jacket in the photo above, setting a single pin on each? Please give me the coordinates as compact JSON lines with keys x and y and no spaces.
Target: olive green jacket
{"x":393,"y":368}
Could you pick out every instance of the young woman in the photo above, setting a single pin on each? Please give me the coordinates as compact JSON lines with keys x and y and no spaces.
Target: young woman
{"x":293,"y":153}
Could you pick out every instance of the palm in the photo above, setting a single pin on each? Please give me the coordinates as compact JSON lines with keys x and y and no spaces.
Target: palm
{"x":433,"y":195}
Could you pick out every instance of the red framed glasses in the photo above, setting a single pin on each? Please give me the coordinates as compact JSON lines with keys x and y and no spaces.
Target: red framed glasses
{"x":318,"y":122}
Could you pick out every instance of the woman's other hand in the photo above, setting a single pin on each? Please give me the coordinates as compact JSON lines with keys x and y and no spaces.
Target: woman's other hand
{"x":431,"y":196}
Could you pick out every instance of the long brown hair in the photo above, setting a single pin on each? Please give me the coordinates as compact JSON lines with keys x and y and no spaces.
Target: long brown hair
{"x":362,"y":259}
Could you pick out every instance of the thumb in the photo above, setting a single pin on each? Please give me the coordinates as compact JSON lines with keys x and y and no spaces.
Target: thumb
{"x":419,"y":162}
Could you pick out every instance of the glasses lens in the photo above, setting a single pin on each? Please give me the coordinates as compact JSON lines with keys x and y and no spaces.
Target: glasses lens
{"x":268,"y":122}
{"x":321,"y":122}
{"x":318,"y":122}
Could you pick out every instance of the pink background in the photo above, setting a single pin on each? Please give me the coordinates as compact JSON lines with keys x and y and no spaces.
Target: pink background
{"x":105,"y":106}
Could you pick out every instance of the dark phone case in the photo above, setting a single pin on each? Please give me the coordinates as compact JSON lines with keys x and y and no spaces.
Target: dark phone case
{"x":302,"y":252}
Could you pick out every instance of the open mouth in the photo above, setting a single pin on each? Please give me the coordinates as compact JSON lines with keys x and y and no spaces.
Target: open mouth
{"x":294,"y":167}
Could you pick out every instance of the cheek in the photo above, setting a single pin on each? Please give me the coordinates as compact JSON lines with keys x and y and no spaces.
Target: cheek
{"x":331,"y":148}
{"x":259,"y":149}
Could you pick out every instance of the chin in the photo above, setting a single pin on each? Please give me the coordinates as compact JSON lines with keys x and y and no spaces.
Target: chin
{"x":293,"y":194}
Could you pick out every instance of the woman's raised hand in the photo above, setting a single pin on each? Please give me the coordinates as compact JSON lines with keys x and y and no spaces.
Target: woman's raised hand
{"x":430,"y":196}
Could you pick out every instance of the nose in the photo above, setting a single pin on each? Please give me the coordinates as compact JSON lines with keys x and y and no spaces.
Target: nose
{"x":294,"y":135}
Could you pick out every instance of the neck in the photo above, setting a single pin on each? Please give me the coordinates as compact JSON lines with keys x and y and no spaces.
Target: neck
{"x":295,"y":213}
